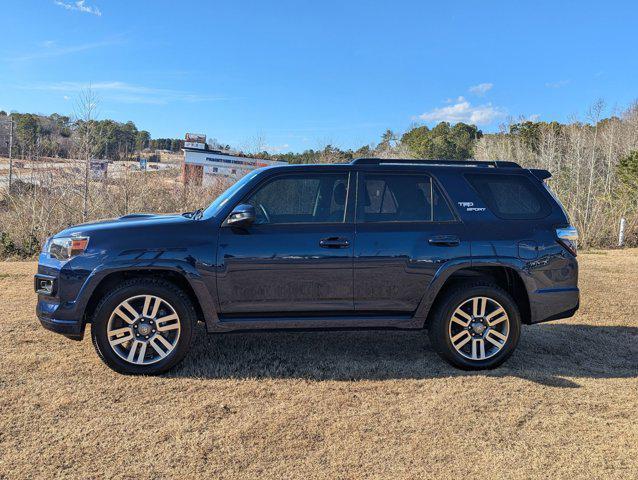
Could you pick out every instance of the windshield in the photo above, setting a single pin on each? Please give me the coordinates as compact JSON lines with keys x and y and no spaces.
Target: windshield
{"x":219,"y":203}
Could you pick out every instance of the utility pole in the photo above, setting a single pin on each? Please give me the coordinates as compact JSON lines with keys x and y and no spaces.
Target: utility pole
{"x":10,"y":152}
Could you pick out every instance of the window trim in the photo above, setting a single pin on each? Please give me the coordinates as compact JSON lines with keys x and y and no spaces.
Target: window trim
{"x":542,"y":195}
{"x":433,"y":181}
{"x":347,"y":217}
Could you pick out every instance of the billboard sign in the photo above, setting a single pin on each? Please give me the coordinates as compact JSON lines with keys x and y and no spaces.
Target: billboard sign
{"x":98,"y":169}
{"x":195,"y":140}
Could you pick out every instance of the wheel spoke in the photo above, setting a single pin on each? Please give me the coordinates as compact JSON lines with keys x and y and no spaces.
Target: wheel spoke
{"x":171,"y":326}
{"x":496,"y":312}
{"x":463,"y":323}
{"x":151,"y":301}
{"x":130,"y":315}
{"x":463,"y":315}
{"x":142,"y":353}
{"x":155,"y":344}
{"x":121,"y":340}
{"x":164,"y":342}
{"x":479,"y":304}
{"x":500,"y":319}
{"x":119,"y":331}
{"x":131,"y":353}
{"x":478,"y":349}
{"x":461,"y":339}
{"x":493,"y":341}
{"x":498,"y":335}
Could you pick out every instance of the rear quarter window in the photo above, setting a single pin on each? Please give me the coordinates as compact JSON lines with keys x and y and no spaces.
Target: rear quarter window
{"x":512,"y":197}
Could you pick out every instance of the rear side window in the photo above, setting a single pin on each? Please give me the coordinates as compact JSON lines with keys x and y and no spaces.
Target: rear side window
{"x":512,"y":197}
{"x":401,"y":198}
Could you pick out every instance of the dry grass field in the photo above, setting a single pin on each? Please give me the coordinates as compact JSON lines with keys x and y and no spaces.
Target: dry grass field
{"x":330,"y":405}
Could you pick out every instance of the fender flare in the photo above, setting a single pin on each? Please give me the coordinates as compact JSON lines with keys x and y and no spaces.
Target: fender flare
{"x":446,"y":270}
{"x":183,"y":268}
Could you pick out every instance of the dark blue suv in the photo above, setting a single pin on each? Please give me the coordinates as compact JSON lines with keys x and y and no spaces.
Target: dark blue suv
{"x":467,"y":250}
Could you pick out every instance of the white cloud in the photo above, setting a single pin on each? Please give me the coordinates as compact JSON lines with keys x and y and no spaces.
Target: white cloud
{"x":558,"y":84}
{"x":51,"y":49}
{"x":126,"y":92}
{"x":80,"y":6}
{"x":276,"y":148}
{"x":463,"y":111}
{"x":481,"y":89}
{"x":534,"y":117}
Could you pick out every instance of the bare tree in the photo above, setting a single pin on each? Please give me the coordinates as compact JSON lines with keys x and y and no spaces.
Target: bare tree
{"x":86,"y":136}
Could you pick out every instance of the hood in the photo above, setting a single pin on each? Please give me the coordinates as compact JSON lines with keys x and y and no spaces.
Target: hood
{"x":132,"y":221}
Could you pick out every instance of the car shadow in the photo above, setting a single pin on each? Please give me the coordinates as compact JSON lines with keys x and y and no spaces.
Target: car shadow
{"x":549,"y":354}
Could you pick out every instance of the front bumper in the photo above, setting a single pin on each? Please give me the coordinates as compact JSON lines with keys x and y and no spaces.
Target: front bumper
{"x":46,"y":286}
{"x":69,"y":328}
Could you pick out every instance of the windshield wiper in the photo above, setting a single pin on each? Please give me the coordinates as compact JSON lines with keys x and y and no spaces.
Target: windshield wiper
{"x":195,"y":214}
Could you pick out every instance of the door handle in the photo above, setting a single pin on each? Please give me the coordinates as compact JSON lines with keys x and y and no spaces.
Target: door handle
{"x":334,"y":242}
{"x":444,"y":240}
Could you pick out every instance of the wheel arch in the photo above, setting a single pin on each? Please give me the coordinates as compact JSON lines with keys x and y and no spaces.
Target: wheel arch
{"x":506,"y":276}
{"x":195,"y":291}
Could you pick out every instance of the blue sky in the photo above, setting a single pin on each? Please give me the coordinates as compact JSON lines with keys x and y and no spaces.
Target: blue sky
{"x":301,"y":74}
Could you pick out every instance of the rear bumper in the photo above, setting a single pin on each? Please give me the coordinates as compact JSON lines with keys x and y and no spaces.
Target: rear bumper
{"x":553,"y":304}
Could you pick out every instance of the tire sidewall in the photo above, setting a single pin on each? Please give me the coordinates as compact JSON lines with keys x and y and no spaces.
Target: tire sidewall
{"x":172,"y":295}
{"x":439,"y":330}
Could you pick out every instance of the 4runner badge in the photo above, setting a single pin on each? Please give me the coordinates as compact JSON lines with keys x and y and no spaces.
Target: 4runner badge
{"x":469,"y":207}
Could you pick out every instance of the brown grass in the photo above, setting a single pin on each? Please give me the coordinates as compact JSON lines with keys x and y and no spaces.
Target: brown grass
{"x":330,"y":405}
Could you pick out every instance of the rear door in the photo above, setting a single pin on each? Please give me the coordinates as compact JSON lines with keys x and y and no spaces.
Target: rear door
{"x":405,"y":230}
{"x":296,"y":259}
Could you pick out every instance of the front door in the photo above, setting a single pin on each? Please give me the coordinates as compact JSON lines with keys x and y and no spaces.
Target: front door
{"x":405,"y":230}
{"x":296,"y":258}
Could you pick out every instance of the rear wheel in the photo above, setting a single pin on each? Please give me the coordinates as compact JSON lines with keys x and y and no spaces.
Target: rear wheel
{"x":143,"y":327}
{"x":475,"y":326}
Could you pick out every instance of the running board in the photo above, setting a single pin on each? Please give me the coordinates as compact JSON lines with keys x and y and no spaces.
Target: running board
{"x":317,"y":323}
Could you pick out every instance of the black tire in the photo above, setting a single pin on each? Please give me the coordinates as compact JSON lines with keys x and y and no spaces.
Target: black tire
{"x":168,"y":292}
{"x":440,"y":330}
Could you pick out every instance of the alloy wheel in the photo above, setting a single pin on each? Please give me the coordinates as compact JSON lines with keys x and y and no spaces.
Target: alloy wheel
{"x":479,"y":328}
{"x":143,"y":329}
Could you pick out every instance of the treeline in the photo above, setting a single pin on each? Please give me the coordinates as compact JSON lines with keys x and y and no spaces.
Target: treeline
{"x":594,"y":161}
{"x":594,"y":166}
{"x":444,"y":141}
{"x":56,"y":135}
{"x":171,"y":144}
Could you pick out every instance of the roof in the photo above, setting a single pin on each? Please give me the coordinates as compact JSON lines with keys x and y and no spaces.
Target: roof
{"x":438,"y":163}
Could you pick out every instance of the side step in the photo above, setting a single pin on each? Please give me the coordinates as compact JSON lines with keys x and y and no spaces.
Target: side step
{"x":317,"y":323}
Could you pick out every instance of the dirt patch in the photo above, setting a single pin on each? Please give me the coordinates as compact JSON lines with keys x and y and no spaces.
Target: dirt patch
{"x":330,"y":405}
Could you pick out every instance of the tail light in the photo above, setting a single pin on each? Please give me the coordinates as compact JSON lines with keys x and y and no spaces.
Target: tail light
{"x":568,"y":238}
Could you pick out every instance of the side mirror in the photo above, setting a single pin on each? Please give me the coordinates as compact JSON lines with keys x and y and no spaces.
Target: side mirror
{"x":242,"y":216}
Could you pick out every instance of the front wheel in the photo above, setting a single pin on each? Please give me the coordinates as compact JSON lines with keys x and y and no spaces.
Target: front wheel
{"x":143,"y":327}
{"x":475,"y":326}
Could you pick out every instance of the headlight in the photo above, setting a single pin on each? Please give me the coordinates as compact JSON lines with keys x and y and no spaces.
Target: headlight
{"x":64,"y":248}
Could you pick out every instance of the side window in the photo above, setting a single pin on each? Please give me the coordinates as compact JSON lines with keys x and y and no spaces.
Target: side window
{"x":510,"y":196}
{"x":401,"y":198}
{"x":440,"y":208}
{"x":312,"y":198}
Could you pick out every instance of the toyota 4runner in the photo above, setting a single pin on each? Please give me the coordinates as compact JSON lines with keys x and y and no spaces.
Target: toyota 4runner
{"x":469,"y":251}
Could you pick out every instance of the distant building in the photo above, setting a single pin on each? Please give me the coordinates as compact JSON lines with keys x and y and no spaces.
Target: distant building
{"x":201,"y":164}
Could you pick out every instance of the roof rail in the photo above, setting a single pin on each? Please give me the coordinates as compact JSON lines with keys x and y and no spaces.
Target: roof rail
{"x":443,"y":163}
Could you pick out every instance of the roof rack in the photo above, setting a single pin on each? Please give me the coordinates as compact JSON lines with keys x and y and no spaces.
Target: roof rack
{"x":442,"y":163}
